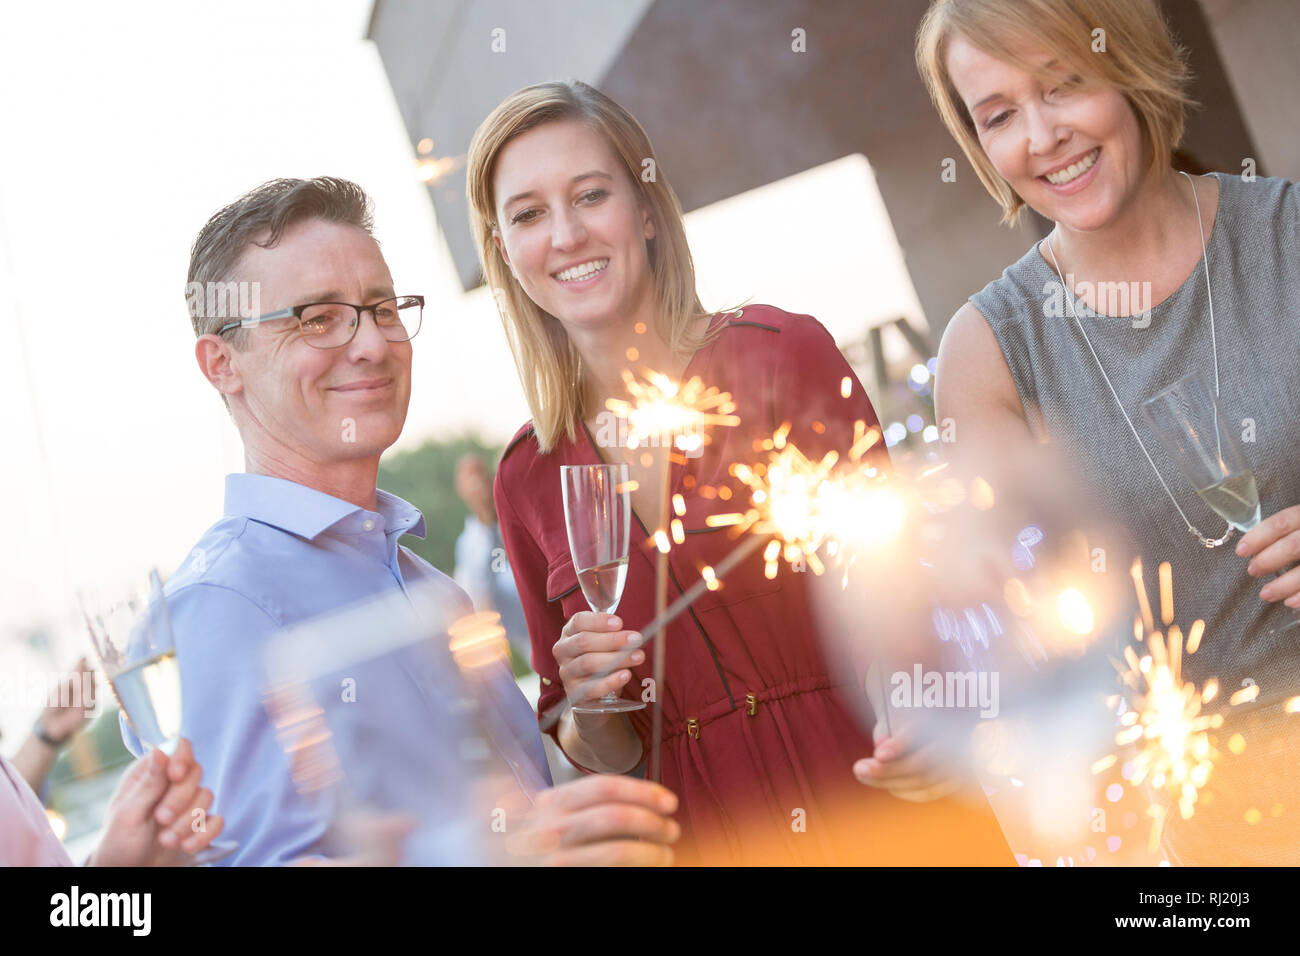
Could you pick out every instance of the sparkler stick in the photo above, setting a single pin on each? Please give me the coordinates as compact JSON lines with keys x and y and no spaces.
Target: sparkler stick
{"x":688,"y":597}
{"x":747,"y":546}
{"x":661,"y":602}
{"x":797,"y":503}
{"x":671,"y":414}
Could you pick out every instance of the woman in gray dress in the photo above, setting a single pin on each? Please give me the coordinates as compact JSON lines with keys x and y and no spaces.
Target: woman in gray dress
{"x":1075,"y":109}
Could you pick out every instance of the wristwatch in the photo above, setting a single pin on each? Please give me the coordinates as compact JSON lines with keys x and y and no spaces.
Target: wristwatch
{"x":39,"y":732}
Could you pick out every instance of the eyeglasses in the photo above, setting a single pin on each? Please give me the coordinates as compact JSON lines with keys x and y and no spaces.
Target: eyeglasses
{"x":332,"y":325}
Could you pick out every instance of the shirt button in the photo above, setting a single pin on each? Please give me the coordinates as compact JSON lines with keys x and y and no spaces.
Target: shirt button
{"x":369,"y":525}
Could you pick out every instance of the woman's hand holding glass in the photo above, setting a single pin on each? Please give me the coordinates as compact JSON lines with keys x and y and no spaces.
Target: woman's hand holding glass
{"x":591,"y":645}
{"x":1271,"y":545}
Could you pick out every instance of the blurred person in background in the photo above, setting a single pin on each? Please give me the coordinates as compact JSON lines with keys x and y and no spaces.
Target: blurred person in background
{"x":482,"y":568}
{"x":58,"y":723}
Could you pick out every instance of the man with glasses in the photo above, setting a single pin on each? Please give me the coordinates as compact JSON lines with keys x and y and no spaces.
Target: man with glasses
{"x":318,"y":388}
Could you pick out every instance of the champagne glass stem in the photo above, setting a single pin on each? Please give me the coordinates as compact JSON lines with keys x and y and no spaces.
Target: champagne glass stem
{"x":748,"y":545}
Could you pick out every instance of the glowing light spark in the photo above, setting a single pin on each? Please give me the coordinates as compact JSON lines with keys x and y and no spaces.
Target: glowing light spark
{"x":1174,"y":752}
{"x":1166,"y":572}
{"x":664,"y":412}
{"x":478,"y":640}
{"x":1245,"y":695}
{"x":57,"y":823}
{"x":1074,"y":611}
{"x":1292,"y":706}
{"x":1018,"y":598}
{"x":1105,"y":763}
{"x":1140,"y":586}
{"x":863,"y":439}
{"x":804,"y":504}
{"x":846,"y":387}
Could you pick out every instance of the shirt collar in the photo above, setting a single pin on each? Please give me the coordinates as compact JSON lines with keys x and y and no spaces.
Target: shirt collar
{"x":399,"y":512}
{"x":307,"y":512}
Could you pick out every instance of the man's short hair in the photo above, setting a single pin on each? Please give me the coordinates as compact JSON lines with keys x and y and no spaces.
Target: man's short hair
{"x":259,"y":217}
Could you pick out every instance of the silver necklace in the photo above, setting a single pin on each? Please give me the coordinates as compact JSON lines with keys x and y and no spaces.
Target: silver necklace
{"x":1214,"y":346}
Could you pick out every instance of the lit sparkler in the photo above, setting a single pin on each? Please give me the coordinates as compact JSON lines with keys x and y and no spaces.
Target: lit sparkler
{"x":670,"y":414}
{"x":800,"y":504}
{"x":796,"y":506}
{"x":1175,"y":752}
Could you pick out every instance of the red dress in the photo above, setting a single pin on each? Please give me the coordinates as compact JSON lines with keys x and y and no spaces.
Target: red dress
{"x":756,"y":744}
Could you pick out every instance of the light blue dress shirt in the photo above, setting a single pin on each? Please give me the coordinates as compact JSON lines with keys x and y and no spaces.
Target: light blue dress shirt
{"x":285,"y":554}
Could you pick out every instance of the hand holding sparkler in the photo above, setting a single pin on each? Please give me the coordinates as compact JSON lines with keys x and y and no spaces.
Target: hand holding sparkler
{"x":671,"y":415}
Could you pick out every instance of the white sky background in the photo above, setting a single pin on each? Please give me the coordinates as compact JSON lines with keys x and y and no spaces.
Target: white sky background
{"x":124,"y":128}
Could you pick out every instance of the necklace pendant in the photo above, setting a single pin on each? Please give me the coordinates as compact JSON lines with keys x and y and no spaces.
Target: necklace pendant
{"x":1214,"y":542}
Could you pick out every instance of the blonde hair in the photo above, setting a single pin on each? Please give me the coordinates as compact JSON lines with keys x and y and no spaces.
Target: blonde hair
{"x":550,"y":368}
{"x":1141,"y":60}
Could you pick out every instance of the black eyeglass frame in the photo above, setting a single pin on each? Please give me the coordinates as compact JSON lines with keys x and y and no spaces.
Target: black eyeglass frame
{"x":296,"y":313}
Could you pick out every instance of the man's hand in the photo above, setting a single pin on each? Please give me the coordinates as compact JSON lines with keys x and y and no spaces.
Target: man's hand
{"x":1272,"y":545}
{"x":910,"y":771}
{"x":150,"y":819}
{"x":601,"y":820}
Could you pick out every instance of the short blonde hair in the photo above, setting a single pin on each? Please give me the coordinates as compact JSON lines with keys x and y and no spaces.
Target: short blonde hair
{"x":549,"y":365}
{"x":1141,"y":60}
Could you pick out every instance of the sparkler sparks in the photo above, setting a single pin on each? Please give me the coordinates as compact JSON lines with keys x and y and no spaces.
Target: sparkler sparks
{"x":1175,"y":752}
{"x":803,"y":504}
{"x":670,"y":413}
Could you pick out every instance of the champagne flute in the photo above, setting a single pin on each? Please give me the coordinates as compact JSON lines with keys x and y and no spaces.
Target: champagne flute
{"x":598,"y":518}
{"x":133,"y":640}
{"x":1192,"y":429}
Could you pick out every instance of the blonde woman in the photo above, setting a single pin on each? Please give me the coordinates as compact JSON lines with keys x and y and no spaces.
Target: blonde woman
{"x":582,"y":239}
{"x":1074,"y":108}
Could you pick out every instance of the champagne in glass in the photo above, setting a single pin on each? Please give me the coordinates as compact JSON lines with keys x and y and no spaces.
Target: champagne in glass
{"x":1235,"y":499}
{"x":602,"y":585}
{"x":1196,"y":434}
{"x":598,"y":518}
{"x":1203,"y":442}
{"x":150,"y":695}
{"x":133,"y":639}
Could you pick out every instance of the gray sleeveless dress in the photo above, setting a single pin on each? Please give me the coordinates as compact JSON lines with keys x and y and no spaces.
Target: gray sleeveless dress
{"x":1254,"y":257}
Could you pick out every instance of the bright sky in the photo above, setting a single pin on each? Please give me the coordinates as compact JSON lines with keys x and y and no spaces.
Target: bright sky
{"x":125,"y":130}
